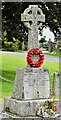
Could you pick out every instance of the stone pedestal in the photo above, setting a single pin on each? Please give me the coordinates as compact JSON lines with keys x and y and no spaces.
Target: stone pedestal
{"x":31,"y":89}
{"x":31,"y":83}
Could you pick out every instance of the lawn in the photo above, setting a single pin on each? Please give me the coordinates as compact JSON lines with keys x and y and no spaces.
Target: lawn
{"x":53,"y":54}
{"x":9,"y":65}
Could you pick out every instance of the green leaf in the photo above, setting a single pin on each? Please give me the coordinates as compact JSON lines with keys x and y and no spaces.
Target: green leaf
{"x":5,"y":33}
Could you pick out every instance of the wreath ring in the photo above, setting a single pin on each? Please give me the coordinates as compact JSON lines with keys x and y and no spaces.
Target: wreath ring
{"x":35,"y":51}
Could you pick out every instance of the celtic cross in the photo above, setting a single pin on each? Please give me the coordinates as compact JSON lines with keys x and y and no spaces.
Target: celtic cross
{"x":33,"y":18}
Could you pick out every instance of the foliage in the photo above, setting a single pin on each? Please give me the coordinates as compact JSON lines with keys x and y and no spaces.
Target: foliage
{"x":48,"y":109}
{"x":42,"y":40}
{"x":11,"y":21}
{"x":11,"y":18}
{"x":12,"y":45}
{"x":53,"y":54}
{"x":0,"y":43}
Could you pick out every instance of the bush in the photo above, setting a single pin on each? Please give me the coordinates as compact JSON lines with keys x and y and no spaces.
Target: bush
{"x":10,"y":46}
{"x":13,"y":45}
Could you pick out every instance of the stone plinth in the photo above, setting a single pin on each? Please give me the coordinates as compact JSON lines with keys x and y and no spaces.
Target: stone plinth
{"x":14,"y":117}
{"x":31,"y":89}
{"x":24,"y":108}
{"x":31,"y":83}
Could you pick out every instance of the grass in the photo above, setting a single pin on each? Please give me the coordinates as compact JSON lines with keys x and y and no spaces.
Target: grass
{"x":9,"y":65}
{"x":53,"y":54}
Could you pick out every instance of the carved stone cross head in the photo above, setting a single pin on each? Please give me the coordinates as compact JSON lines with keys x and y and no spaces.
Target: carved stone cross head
{"x":33,"y":18}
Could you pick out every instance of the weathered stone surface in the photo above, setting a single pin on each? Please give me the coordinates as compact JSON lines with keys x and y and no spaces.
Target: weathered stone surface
{"x":32,"y":19}
{"x":12,"y":117}
{"x":50,"y":45}
{"x":23,"y":108}
{"x":15,"y":117}
{"x":23,"y":45}
{"x":31,"y":83}
{"x":18,"y":84}
{"x":57,"y":84}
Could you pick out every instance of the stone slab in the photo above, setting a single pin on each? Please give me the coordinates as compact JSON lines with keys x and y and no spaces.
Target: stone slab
{"x":31,"y":83}
{"x":30,"y":118}
{"x":8,"y":116}
{"x":24,"y":108}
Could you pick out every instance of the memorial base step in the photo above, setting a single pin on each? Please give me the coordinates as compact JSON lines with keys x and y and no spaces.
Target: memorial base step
{"x":24,"y":107}
{"x":10,"y":116}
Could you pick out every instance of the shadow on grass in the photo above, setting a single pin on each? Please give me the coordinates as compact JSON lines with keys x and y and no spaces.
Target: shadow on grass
{"x":9,"y":75}
{"x":6,"y":86}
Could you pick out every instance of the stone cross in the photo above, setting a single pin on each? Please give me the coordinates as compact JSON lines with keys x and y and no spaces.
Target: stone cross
{"x":50,"y":45}
{"x":32,"y":18}
{"x":57,"y":84}
{"x":23,"y":46}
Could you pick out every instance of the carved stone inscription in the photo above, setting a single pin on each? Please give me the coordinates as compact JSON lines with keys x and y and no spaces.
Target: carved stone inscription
{"x":36,"y":85}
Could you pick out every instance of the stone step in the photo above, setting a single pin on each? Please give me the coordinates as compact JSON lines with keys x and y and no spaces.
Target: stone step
{"x":24,"y":108}
{"x":9,"y":116}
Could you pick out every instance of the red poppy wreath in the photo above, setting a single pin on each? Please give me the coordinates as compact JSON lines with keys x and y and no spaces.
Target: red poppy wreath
{"x":40,"y":56}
